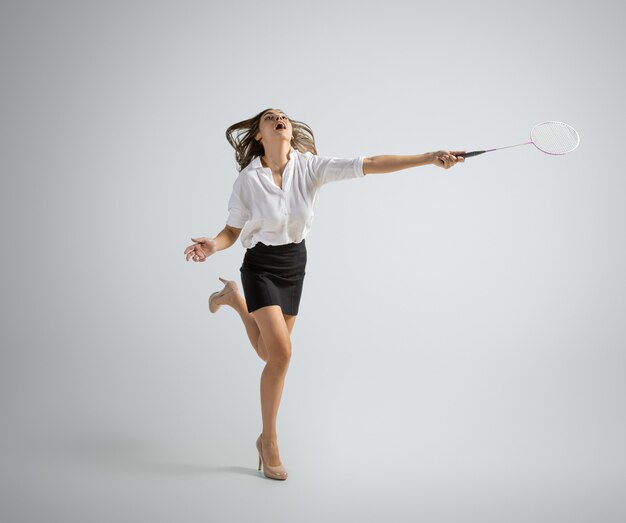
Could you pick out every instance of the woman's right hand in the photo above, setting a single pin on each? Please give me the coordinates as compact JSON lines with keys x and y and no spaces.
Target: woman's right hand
{"x":201,"y":250}
{"x":447,"y":159}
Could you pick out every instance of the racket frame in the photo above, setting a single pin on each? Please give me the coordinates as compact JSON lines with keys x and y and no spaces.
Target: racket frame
{"x":476,"y":153}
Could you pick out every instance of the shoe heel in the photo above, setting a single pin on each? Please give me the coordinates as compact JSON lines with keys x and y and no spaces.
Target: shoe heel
{"x":277,"y":472}
{"x":229,"y":286}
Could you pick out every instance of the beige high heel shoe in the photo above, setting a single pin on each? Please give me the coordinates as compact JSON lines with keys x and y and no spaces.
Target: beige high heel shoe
{"x":231,"y":285}
{"x":273,"y":472}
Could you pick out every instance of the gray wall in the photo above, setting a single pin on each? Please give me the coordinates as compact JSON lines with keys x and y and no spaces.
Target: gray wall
{"x":459,"y":352}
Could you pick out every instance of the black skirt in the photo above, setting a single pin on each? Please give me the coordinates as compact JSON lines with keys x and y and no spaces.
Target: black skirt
{"x":274,"y":275}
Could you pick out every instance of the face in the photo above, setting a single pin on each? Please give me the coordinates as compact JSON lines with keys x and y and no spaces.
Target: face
{"x":274,"y":127}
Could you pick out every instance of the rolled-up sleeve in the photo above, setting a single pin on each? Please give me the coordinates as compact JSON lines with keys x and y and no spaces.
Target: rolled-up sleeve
{"x":238,"y":214}
{"x":331,"y":169}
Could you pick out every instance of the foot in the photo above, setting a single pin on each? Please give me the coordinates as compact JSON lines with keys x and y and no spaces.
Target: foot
{"x":270,"y":452}
{"x":223,"y":297}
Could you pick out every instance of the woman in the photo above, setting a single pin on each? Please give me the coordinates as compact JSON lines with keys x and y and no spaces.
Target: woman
{"x":272,"y":207}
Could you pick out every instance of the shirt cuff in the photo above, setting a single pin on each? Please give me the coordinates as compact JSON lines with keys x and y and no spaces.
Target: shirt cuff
{"x":236,"y":219}
{"x":359,"y":166}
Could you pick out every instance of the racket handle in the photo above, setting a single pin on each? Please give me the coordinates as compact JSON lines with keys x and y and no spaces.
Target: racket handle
{"x":473,"y":153}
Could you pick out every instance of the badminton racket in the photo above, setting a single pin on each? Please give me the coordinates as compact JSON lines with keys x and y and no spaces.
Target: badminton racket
{"x":548,"y":137}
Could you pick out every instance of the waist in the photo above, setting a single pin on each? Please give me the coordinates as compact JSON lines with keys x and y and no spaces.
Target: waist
{"x":262,"y":247}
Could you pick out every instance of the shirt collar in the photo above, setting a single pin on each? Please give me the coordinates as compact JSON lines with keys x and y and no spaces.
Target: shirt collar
{"x":256,"y":163}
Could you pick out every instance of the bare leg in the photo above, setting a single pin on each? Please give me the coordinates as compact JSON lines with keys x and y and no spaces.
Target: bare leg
{"x":237,"y":301}
{"x":277,"y":339}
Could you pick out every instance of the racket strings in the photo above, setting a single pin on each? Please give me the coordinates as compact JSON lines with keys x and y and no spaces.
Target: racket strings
{"x":554,"y":137}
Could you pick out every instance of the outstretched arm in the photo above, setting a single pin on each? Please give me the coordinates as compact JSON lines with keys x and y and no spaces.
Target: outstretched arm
{"x":389,"y":163}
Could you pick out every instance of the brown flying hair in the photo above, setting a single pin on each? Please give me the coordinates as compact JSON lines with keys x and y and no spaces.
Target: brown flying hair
{"x":241,"y":135}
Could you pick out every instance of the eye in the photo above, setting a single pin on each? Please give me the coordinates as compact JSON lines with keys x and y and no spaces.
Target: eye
{"x":272,"y":116}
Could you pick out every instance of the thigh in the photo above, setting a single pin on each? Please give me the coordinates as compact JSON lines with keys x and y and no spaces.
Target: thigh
{"x":289,"y":320}
{"x":274,"y":330}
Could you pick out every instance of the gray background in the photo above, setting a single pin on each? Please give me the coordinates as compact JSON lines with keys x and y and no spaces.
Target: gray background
{"x":459,"y":353}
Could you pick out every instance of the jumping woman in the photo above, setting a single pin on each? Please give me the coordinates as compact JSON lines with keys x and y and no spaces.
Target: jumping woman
{"x":271,"y":207}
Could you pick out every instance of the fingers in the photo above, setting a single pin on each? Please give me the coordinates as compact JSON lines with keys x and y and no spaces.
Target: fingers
{"x":455,"y":154}
{"x":199,"y":255}
{"x":195,"y":251}
{"x":449,"y":159}
{"x":190,"y":248}
{"x":445,"y":161}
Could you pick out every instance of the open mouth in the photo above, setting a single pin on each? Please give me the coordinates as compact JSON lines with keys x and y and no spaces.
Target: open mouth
{"x":281,"y":127}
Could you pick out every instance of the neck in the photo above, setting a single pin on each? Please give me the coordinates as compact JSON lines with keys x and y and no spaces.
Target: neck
{"x":276,"y":156}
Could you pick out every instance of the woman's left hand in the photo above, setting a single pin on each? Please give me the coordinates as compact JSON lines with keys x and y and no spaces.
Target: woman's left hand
{"x":447,"y":159}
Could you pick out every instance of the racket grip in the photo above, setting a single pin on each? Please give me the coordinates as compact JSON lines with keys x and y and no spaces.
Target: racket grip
{"x":472,"y":153}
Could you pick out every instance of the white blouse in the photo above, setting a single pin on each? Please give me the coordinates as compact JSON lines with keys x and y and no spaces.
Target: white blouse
{"x":266,"y":213}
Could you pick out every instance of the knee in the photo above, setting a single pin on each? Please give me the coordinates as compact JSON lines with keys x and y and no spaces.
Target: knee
{"x":280,"y":354}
